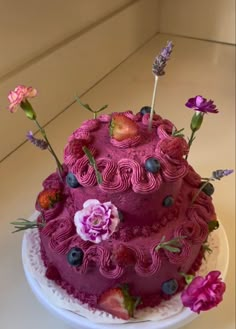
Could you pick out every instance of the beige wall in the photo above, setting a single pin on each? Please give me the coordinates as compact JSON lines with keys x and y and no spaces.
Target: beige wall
{"x":63,"y":48}
{"x":28,"y":28}
{"x":204,"y":19}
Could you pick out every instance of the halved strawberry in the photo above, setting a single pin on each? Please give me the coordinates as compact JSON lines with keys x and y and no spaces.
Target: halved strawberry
{"x":48,"y":198}
{"x":122,"y":127}
{"x":118,"y":302}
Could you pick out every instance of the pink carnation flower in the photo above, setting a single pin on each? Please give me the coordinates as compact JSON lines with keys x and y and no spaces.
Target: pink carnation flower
{"x":201,"y":104}
{"x":18,"y":95}
{"x":96,"y":221}
{"x":203,"y":294}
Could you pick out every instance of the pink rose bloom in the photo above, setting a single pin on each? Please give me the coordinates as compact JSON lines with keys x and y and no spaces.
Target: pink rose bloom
{"x":18,"y":95}
{"x":96,"y":221}
{"x":203,"y":294}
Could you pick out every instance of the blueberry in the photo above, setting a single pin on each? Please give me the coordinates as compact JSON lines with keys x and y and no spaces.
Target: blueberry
{"x":152,"y":165}
{"x":170,"y":287}
{"x":72,"y":180}
{"x":145,"y":110}
{"x":75,"y":256}
{"x":208,"y":189}
{"x":168,"y":201}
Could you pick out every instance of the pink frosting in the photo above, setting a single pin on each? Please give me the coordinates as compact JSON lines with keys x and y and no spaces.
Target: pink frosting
{"x":62,"y":237}
{"x":155,"y":122}
{"x":138,"y":195}
{"x":179,"y":258}
{"x":120,"y":169}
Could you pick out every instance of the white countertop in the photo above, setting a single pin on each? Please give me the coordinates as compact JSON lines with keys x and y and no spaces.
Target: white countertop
{"x":196,"y":67}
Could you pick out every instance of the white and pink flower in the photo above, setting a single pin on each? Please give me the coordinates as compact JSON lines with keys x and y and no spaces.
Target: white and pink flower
{"x":96,"y":221}
{"x":18,"y":95}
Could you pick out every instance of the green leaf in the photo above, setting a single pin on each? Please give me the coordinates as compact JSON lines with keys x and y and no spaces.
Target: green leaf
{"x":23,"y":224}
{"x":158,"y":247}
{"x":102,"y":108}
{"x":206,"y":248}
{"x":175,"y":243}
{"x":177,"y":133}
{"x":176,"y":240}
{"x":171,"y":249}
{"x":170,"y":245}
{"x":86,"y":106}
{"x":213,"y":225}
{"x":98,"y":176}
{"x":89,"y":155}
{"x":188,"y":277}
{"x":93,"y":164}
{"x":130,"y":302}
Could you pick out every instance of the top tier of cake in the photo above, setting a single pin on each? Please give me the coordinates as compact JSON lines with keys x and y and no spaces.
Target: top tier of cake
{"x":126,"y":179}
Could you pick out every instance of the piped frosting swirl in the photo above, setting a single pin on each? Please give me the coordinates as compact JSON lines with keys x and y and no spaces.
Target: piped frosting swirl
{"x":123,"y":167}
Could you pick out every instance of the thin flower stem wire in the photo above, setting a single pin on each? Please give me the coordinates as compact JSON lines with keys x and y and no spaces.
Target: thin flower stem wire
{"x":50,"y":147}
{"x":200,"y":189}
{"x":153,"y":103}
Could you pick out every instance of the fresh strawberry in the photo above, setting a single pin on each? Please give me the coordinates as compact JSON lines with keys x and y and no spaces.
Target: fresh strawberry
{"x":118,"y":302}
{"x":124,"y":256}
{"x":48,"y":198}
{"x":122,"y":127}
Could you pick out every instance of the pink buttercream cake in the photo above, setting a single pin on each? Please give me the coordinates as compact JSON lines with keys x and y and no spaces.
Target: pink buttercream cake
{"x":153,"y":207}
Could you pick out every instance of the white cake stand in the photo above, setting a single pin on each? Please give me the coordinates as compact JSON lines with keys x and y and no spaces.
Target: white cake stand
{"x":219,"y":260}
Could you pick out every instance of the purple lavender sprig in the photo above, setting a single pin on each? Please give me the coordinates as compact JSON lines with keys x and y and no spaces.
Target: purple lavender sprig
{"x":217,"y":174}
{"x":40,"y":143}
{"x":161,"y":59}
{"x":220,"y":173}
{"x":158,"y":70}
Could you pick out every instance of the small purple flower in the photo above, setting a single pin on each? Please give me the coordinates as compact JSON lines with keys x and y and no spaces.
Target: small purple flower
{"x":202,"y":294}
{"x":96,"y":221}
{"x":220,"y":173}
{"x":160,"y":61}
{"x":201,"y":104}
{"x":37,"y":142}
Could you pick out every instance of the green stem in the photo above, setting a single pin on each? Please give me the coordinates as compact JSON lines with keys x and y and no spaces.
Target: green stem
{"x":200,"y":189}
{"x":191,"y":139}
{"x":60,"y":169}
